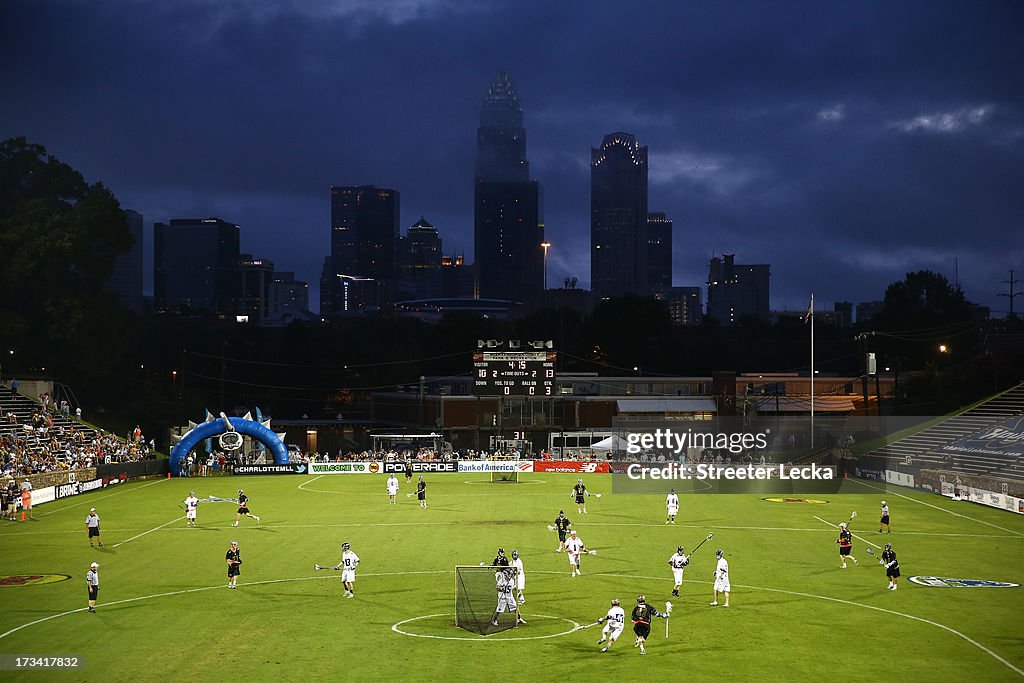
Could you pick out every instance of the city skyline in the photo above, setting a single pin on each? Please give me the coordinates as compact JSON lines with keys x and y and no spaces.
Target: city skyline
{"x":844,"y":146}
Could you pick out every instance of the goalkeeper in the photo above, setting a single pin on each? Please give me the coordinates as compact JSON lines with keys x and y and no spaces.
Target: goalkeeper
{"x":504,"y":580}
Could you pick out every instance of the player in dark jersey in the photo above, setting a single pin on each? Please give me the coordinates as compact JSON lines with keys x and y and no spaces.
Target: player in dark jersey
{"x":408,"y":471}
{"x":500,"y":560}
{"x":641,"y":617}
{"x":243,"y":508}
{"x":891,"y":564}
{"x":562,"y":526}
{"x":845,"y":542}
{"x":421,"y":492}
{"x":234,"y":560}
{"x":579,"y":491}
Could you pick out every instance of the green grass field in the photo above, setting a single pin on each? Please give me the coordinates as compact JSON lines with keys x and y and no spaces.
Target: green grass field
{"x":165,"y":613}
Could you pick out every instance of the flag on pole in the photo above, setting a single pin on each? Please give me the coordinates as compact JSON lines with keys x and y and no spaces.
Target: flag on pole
{"x":810,"y":311}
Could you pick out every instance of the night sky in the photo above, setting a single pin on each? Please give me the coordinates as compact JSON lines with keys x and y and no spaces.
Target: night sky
{"x":843,"y":143}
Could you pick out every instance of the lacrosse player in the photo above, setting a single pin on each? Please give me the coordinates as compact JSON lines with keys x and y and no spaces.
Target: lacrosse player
{"x":234,"y":559}
{"x":348,"y":564}
{"x":562,"y":525}
{"x":505,"y":582}
{"x":641,"y":617}
{"x":672,"y":504}
{"x":191,"y":504}
{"x":614,"y":622}
{"x":517,"y":564}
{"x":891,"y":564}
{"x":677,"y":562}
{"x":845,"y":542}
{"x":721,"y":578}
{"x":580,"y":491}
{"x":573,"y":547}
{"x":392,"y":488}
{"x":243,"y":508}
{"x":421,"y":492}
{"x":884,"y":521}
{"x":500,"y":560}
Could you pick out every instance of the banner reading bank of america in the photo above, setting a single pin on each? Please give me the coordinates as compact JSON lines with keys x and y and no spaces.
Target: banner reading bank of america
{"x":1005,"y":439}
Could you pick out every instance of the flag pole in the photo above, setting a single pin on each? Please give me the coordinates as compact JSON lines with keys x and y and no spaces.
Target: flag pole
{"x":810,"y":313}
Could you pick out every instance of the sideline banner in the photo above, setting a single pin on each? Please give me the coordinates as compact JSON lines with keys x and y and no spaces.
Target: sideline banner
{"x":495,"y":466}
{"x":270,"y":469}
{"x":899,"y":478}
{"x":417,"y":466}
{"x":570,"y":466}
{"x":345,"y":467}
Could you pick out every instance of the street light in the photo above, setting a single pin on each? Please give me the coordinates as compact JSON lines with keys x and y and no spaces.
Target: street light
{"x":546,"y":246}
{"x":943,"y":348}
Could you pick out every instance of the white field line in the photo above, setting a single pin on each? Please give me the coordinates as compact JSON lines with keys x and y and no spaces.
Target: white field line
{"x":156,"y":528}
{"x":15,"y":529}
{"x":955,"y":514}
{"x":861,"y":538}
{"x":310,"y":481}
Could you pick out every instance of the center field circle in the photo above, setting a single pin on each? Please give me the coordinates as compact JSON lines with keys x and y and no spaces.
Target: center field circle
{"x":481,"y":639}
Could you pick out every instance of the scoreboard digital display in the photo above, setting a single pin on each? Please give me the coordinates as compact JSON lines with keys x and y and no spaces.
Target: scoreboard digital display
{"x":514,"y":373}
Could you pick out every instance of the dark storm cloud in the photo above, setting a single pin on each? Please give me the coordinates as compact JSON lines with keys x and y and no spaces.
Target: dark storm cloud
{"x":843,"y":144}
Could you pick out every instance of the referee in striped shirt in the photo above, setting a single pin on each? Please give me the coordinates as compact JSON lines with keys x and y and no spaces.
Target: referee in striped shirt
{"x":92,"y":579}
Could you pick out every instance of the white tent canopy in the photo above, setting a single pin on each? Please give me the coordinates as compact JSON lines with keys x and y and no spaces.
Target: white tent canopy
{"x":611,"y":443}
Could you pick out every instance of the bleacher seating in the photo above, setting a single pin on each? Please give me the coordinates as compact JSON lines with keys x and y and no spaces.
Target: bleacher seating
{"x":36,"y":437}
{"x":925,"y":447}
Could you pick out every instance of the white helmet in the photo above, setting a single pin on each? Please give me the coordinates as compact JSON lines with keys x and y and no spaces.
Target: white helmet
{"x":883,"y":502}
{"x":842,"y":525}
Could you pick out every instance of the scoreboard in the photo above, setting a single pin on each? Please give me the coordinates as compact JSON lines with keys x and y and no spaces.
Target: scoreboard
{"x":514,"y":373}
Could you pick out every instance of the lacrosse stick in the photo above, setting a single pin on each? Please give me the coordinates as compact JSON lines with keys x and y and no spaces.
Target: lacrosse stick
{"x":595,"y":495}
{"x":870,"y":552}
{"x":550,"y":528}
{"x":668,"y":612}
{"x":408,"y":495}
{"x":852,"y":515}
{"x":591,"y":552}
{"x":317,"y":567}
{"x":708,"y":538}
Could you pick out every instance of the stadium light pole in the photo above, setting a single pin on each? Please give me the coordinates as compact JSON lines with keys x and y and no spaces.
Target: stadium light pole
{"x":546,"y":246}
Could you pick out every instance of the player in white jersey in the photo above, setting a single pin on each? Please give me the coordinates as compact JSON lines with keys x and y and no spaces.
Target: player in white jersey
{"x":614,"y":622}
{"x":573,"y":548}
{"x":721,"y":578}
{"x":517,"y":564}
{"x":505,"y":582}
{"x":884,"y":519}
{"x":348,"y":564}
{"x":191,"y":505}
{"x":672,"y":505}
{"x":677,"y":562}
{"x":392,"y":488}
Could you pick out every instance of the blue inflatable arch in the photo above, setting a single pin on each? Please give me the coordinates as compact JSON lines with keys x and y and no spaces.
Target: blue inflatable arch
{"x":206,"y":430}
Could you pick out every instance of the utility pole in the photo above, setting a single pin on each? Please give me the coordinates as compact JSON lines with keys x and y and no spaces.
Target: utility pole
{"x":1013,"y":294}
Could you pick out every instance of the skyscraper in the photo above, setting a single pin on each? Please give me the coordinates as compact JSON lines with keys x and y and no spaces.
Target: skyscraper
{"x":508,"y":216}
{"x":196,"y":266}
{"x":126,"y":280}
{"x":364,"y":236}
{"x":618,"y":217}
{"x":419,"y":262}
{"x":659,"y":251}
{"x":737,"y":291}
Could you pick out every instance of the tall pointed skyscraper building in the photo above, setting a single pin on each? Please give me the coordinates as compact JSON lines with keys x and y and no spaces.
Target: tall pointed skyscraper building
{"x":508,"y":217}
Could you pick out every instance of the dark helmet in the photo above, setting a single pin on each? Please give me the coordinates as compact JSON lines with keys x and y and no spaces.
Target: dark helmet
{"x":719,"y":553}
{"x":561,"y":513}
{"x":680,"y":550}
{"x":515,"y":554}
{"x":501,"y":551}
{"x":346,"y":546}
{"x":640,"y":600}
{"x":888,"y":546}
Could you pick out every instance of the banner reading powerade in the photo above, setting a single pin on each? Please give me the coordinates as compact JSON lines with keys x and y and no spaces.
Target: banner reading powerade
{"x":570,"y":466}
{"x":345,"y":467}
{"x":495,"y":466}
{"x":1005,"y":439}
{"x":417,"y":466}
